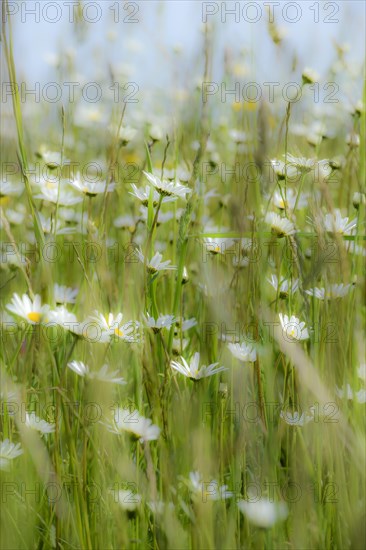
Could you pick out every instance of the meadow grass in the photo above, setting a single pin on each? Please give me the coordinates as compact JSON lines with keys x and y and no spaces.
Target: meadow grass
{"x":268,"y":453}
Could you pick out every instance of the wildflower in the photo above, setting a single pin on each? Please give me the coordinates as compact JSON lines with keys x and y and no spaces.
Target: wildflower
{"x":303,"y":164}
{"x":163,"y":321}
{"x":112,"y":325}
{"x":32,"y":421}
{"x":217,"y":245}
{"x":91,"y":188}
{"x":358,"y":199}
{"x":8,"y":451}
{"x":64,"y":294}
{"x":295,"y":418}
{"x":132,"y":422}
{"x":288,"y":199}
{"x":332,"y":292}
{"x":193,"y":371}
{"x":143,"y":195}
{"x":155,"y":133}
{"x":62,"y":317}
{"x":126,"y":222}
{"x":349,"y":393}
{"x":155,"y":264}
{"x":31,"y":310}
{"x":293,"y":328}
{"x":167,"y":188}
{"x":284,"y":287}
{"x":52,"y":159}
{"x":102,"y":375}
{"x":353,"y":140}
{"x":263,"y":512}
{"x":243,"y":352}
{"x":127,"y":500}
{"x":8,"y":188}
{"x":58,"y":196}
{"x":126,"y":134}
{"x":283,"y":170}
{"x":334,"y":223}
{"x":309,"y":76}
{"x":208,"y":490}
{"x":280,"y":226}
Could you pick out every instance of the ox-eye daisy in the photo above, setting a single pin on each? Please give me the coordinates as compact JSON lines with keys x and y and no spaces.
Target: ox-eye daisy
{"x":91,"y":188}
{"x":243,"y":352}
{"x":163,"y":321}
{"x":167,"y":188}
{"x":126,"y":421}
{"x":332,"y":292}
{"x":193,"y":370}
{"x":112,"y":325}
{"x":293,"y":328}
{"x":8,"y":451}
{"x":143,"y":195}
{"x":284,"y":287}
{"x":155,"y":264}
{"x":31,"y":310}
{"x":280,"y":226}
{"x":32,"y":421}
{"x":102,"y":375}
{"x":263,"y":512}
{"x":64,"y":294}
{"x":334,"y":223}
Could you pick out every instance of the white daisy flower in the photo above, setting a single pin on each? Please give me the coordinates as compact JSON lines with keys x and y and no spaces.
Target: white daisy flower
{"x":155,"y":264}
{"x":293,"y":328}
{"x":32,"y":421}
{"x":8,"y":451}
{"x":143,"y":195}
{"x":284,"y":287}
{"x":287,"y":200}
{"x":280,"y":226}
{"x":263,"y":512}
{"x":54,"y":195}
{"x":244,"y":352}
{"x":132,"y":422}
{"x":64,"y":318}
{"x":30,"y":310}
{"x":126,"y":134}
{"x":349,"y":393}
{"x":102,"y":375}
{"x":155,"y":132}
{"x":358,"y":199}
{"x":217,"y":245}
{"x":303,"y":164}
{"x":332,"y":292}
{"x":167,"y":188}
{"x":208,"y":490}
{"x":126,"y":222}
{"x":353,"y":140}
{"x":127,"y":500}
{"x":112,"y":324}
{"x":90,"y":331}
{"x":91,"y":188}
{"x":9,"y":189}
{"x":295,"y":418}
{"x":283,"y":169}
{"x":309,"y":76}
{"x":64,"y":294}
{"x":193,"y":370}
{"x":52,"y":159}
{"x":334,"y":223}
{"x":163,"y":321}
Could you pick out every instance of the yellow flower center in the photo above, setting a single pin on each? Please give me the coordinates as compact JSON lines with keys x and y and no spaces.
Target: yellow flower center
{"x":34,"y":316}
{"x":118,"y":332}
